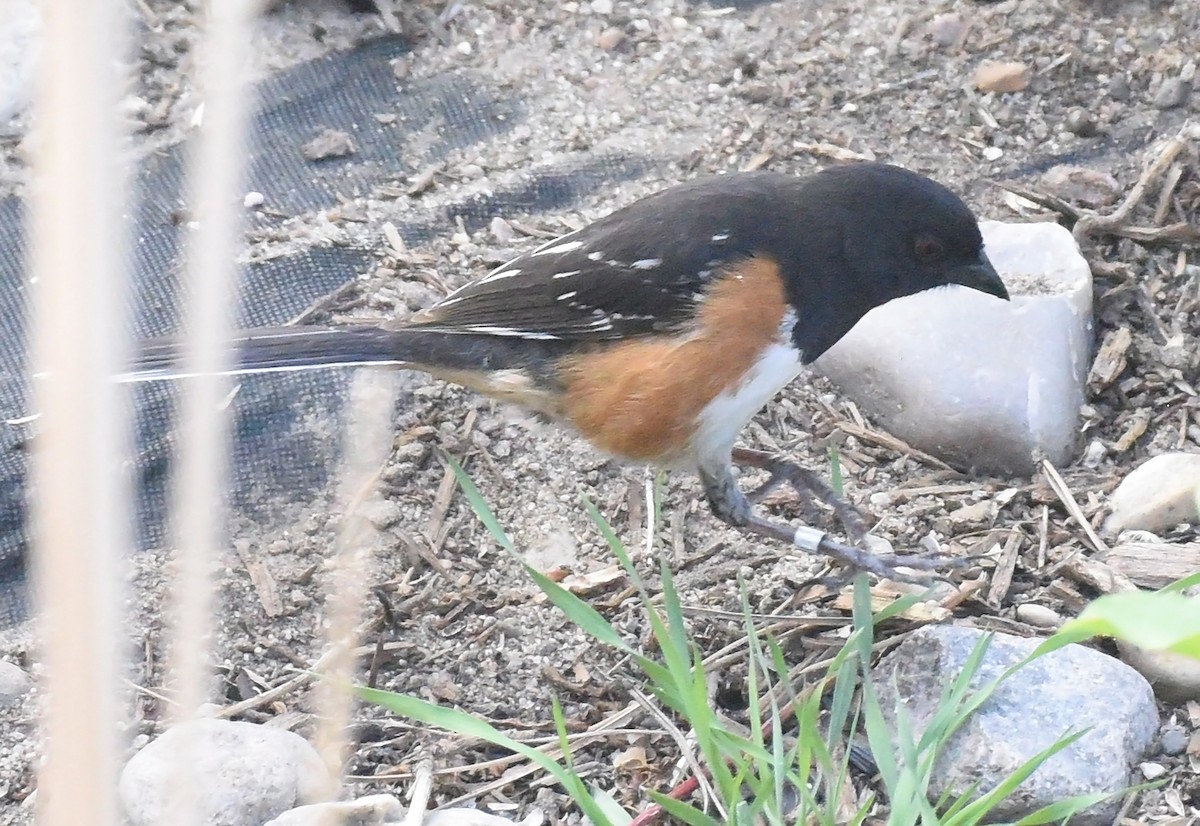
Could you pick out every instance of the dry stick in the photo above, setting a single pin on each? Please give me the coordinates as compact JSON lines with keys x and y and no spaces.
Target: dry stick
{"x":1091,"y":224}
{"x":368,"y":438}
{"x":1068,"y":499}
{"x":418,"y":800}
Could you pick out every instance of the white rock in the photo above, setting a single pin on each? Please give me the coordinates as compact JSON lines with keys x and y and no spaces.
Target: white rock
{"x":981,"y":383}
{"x":1160,"y":493}
{"x":14,"y":683}
{"x":1174,"y":677}
{"x":20,"y":28}
{"x":1039,"y":616}
{"x":243,"y":774}
{"x":474,"y":817}
{"x":373,"y":810}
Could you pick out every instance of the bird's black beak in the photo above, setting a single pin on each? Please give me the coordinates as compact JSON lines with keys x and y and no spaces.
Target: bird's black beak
{"x":982,"y":276}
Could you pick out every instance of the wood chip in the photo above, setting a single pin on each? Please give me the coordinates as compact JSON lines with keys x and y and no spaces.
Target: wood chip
{"x":1097,"y":575}
{"x":885,"y":593}
{"x":1001,"y":77}
{"x":1110,"y":359}
{"x":260,"y":577}
{"x":1006,"y":565}
{"x":1153,"y":564}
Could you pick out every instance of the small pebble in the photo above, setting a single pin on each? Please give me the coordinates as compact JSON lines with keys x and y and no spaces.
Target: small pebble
{"x":331,"y":143}
{"x":992,"y":153}
{"x":946,"y":29}
{"x":464,"y":48}
{"x":1174,"y":741}
{"x":382,"y":513}
{"x":1039,"y":616}
{"x":1081,"y":122}
{"x":253,"y":199}
{"x":501,"y":230}
{"x":602,"y":6}
{"x":1094,"y":454}
{"x":610,"y":38}
{"x":14,"y":683}
{"x":1172,"y":94}
{"x":1118,"y":88}
{"x":1152,"y":771}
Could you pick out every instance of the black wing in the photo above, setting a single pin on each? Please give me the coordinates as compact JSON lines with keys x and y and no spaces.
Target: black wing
{"x":638,"y":270}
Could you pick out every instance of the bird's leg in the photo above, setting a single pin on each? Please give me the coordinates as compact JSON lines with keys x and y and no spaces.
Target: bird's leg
{"x":804,"y":482}
{"x":730,"y":505}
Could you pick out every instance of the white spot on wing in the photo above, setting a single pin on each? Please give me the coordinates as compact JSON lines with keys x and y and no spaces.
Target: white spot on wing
{"x":567,"y":296}
{"x":557,"y":248}
{"x":646,"y":263}
{"x":720,"y":237}
{"x":595,"y":256}
{"x":509,"y":331}
{"x":500,"y":273}
{"x":566,"y":274}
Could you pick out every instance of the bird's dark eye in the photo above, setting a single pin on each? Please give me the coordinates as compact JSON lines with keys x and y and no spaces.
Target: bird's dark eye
{"x":927,"y":248}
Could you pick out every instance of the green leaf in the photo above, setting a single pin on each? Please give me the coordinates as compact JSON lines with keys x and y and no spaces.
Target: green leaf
{"x":682,"y":811}
{"x":613,"y":812}
{"x":479,"y":504}
{"x":1162,"y":621}
{"x":835,"y":471}
{"x":578,"y":611}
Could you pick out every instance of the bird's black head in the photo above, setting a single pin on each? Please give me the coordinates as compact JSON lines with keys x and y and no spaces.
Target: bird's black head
{"x":899,"y":233}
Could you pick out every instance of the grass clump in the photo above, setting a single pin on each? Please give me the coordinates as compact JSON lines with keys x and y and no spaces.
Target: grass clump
{"x":792,"y":763}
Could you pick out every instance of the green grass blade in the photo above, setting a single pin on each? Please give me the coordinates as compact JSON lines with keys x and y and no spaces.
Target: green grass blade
{"x":452,"y":719}
{"x":682,"y":811}
{"x":613,"y":812}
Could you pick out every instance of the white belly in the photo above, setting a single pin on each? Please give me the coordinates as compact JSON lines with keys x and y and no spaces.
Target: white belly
{"x":724,"y":417}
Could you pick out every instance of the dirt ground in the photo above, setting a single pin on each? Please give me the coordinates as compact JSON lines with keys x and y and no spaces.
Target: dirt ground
{"x":788,"y":86}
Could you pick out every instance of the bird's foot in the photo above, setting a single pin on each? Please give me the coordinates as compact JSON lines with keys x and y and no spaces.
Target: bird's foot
{"x":885,"y":565}
{"x":804,"y":482}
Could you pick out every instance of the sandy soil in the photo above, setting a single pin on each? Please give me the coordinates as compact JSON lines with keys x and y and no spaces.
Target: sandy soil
{"x":783,"y":85}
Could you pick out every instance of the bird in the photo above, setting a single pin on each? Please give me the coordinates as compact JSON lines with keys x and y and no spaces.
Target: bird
{"x":659,"y":330}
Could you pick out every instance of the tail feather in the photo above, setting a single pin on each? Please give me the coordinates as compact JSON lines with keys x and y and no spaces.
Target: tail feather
{"x":270,"y":349}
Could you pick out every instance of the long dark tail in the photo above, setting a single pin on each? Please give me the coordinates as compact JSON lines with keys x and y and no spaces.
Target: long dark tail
{"x":270,"y":349}
{"x":276,"y":348}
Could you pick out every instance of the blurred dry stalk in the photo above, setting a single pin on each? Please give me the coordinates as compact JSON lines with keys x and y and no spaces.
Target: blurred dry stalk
{"x":82,"y":508}
{"x":210,"y":280}
{"x":80,"y":505}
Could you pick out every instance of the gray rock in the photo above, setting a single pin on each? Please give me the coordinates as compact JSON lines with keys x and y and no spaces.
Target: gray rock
{"x":244,"y":774}
{"x":20,"y":43}
{"x":931,"y":369}
{"x":1069,"y":690}
{"x":14,"y":683}
{"x":372,"y":810}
